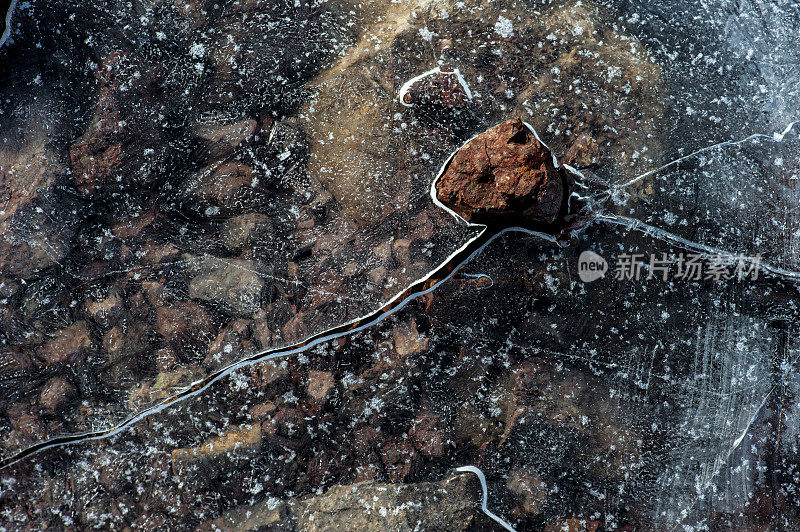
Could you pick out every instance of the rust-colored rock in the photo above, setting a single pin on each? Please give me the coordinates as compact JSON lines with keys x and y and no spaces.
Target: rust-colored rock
{"x":505,"y":176}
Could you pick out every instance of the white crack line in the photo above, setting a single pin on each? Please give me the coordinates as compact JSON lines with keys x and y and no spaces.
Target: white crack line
{"x":671,"y":238}
{"x":479,"y":276}
{"x":401,"y":97}
{"x":776,"y":137}
{"x":485,"y":499}
{"x":200,"y":386}
{"x":9,"y":15}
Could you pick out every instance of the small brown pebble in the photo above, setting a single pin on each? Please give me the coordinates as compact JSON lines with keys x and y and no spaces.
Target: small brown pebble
{"x":583,"y":153}
{"x":320,"y":385}
{"x":56,"y":393}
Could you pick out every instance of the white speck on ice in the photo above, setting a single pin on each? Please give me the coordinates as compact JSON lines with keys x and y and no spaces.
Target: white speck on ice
{"x":426,"y":34}
{"x":197,"y":50}
{"x":503,"y":27}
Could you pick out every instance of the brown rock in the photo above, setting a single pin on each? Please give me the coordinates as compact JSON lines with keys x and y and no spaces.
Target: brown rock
{"x":233,"y":283}
{"x":67,"y":342}
{"x":408,"y":340}
{"x":26,"y":169}
{"x":239,"y":441}
{"x":401,"y":250}
{"x":183,"y":320}
{"x":31,"y":241}
{"x":506,"y":176}
{"x":583,"y":153}
{"x":294,"y":329}
{"x":320,"y":385}
{"x":366,"y":506}
{"x":193,"y":11}
{"x":364,"y":441}
{"x":446,"y":505}
{"x":56,"y":393}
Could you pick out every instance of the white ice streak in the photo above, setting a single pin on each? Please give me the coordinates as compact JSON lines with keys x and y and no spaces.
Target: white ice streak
{"x":432,"y":72}
{"x":9,"y":15}
{"x":703,"y":249}
{"x":485,"y":498}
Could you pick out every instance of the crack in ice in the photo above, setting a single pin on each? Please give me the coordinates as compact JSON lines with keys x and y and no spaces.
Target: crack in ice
{"x":776,"y":137}
{"x":485,"y":497}
{"x":666,"y":236}
{"x":7,"y":32}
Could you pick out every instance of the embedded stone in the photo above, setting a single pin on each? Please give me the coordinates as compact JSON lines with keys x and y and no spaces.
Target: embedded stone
{"x":233,"y":283}
{"x":506,"y":176}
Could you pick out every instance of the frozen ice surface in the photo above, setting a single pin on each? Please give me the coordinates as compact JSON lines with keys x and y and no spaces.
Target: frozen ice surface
{"x":186,"y":185}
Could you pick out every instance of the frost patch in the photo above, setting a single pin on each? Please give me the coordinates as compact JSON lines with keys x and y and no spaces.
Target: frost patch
{"x":426,"y":34}
{"x":504,"y":28}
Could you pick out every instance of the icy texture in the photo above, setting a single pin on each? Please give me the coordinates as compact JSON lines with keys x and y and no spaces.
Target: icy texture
{"x":186,"y":185}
